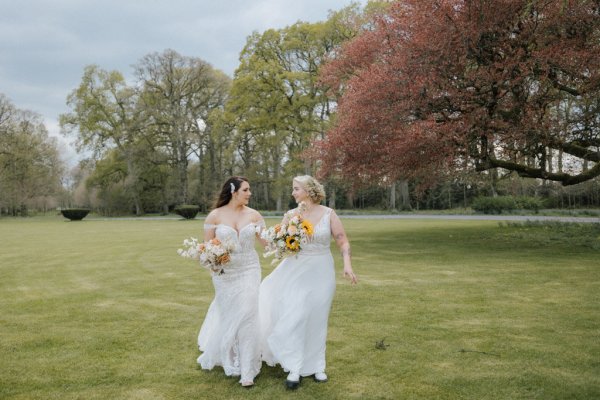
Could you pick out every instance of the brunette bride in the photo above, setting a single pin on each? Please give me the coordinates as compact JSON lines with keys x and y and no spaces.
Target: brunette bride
{"x":229,"y":336}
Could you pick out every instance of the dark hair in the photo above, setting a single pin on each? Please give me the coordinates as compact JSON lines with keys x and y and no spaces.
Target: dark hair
{"x":226,"y":193}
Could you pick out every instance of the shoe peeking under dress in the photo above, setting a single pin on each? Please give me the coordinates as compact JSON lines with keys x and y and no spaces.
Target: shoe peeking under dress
{"x":320,"y":377}
{"x":293,"y":380}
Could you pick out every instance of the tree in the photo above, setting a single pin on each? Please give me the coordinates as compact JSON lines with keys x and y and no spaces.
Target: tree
{"x":215,"y":159}
{"x":276,"y":106}
{"x":155,"y":125}
{"x":178,"y":94}
{"x":105,"y":116}
{"x":30,"y":165}
{"x":438,"y":85}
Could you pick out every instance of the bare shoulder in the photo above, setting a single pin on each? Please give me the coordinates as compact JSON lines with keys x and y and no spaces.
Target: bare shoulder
{"x":329,"y":210}
{"x":321,"y":209}
{"x":212,"y":217}
{"x":254,"y":215}
{"x":333,"y":215}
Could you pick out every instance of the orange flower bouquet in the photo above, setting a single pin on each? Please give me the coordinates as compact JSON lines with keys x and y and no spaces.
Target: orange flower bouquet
{"x":213,"y":255}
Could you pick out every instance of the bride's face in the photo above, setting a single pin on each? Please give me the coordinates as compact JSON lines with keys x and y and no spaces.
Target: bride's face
{"x":298,"y":192}
{"x":243,"y":193}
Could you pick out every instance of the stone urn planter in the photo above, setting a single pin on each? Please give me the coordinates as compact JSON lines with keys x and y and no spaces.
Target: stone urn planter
{"x":75,"y":214}
{"x":187,"y":211}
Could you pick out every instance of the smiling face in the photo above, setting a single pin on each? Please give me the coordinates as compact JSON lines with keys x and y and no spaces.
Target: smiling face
{"x":298,"y":192}
{"x":243,"y":194}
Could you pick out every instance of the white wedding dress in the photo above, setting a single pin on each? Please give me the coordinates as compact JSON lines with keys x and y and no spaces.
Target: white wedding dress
{"x":229,"y":336}
{"x":294,"y":304}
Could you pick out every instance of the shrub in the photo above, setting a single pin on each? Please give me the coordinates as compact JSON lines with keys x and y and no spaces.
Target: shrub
{"x":75,"y":214}
{"x":494,"y":205}
{"x":529,"y":203}
{"x":187,"y":211}
{"x":497,"y":205}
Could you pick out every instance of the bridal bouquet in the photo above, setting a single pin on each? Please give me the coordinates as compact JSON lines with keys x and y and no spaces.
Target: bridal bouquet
{"x":212,"y":255}
{"x":288,"y":237}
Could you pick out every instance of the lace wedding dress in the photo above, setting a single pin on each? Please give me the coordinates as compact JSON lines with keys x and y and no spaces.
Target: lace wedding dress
{"x":294,"y":304}
{"x":229,"y":336}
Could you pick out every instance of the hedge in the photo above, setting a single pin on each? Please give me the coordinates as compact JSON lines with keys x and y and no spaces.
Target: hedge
{"x":75,"y":214}
{"x":187,"y":211}
{"x":500,"y":204}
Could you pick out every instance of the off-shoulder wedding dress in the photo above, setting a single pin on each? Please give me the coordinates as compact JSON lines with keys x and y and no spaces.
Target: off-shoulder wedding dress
{"x":229,"y":336}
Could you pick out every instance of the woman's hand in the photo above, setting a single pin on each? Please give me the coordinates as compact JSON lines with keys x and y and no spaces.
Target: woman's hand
{"x":349,"y":273}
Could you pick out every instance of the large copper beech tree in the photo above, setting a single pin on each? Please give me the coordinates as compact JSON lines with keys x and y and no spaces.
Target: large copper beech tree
{"x":447,"y":85}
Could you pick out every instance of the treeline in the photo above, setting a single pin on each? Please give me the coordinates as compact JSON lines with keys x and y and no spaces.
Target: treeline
{"x":31,"y":171}
{"x":460,"y":193}
{"x":173,"y":134}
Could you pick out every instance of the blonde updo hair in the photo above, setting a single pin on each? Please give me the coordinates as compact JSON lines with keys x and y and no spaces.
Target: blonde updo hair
{"x":315,"y":190}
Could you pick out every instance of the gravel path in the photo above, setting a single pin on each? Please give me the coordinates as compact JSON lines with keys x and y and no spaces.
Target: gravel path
{"x":405,"y":216}
{"x":477,"y":217}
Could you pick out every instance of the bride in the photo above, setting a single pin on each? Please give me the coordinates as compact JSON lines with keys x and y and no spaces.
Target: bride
{"x":229,"y":336}
{"x":295,"y":299}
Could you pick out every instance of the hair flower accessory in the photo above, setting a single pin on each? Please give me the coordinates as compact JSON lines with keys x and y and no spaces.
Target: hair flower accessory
{"x":232,"y":187}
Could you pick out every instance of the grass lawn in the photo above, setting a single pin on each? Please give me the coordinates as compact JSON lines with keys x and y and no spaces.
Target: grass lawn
{"x":105,"y":309}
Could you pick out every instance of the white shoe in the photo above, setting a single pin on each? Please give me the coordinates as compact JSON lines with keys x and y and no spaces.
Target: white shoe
{"x":293,"y":377}
{"x":292,"y":381}
{"x":320,"y":377}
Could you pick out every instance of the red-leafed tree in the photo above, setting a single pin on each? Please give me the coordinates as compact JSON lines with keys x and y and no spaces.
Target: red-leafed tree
{"x":483,"y":84}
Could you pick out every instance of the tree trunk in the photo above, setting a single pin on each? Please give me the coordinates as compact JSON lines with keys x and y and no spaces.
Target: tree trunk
{"x":132,"y":181}
{"x":276,"y":178}
{"x":182,"y":175}
{"x":493,"y":182}
{"x":404,"y":195}
{"x":393,"y":196}
{"x":350,"y":198}
{"x":560,"y":161}
{"x":331,"y":202}
{"x":266,"y":194}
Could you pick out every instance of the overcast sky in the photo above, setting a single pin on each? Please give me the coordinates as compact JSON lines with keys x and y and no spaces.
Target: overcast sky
{"x":45,"y":44}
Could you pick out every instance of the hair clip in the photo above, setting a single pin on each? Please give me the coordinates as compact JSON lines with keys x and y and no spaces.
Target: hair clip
{"x":232,"y":187}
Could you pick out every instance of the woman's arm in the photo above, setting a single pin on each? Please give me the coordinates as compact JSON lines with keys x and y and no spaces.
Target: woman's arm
{"x":261,"y":226}
{"x":210,"y":226}
{"x":337,"y":230}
